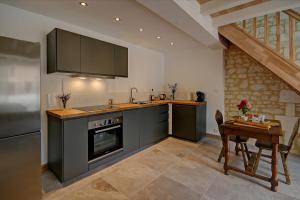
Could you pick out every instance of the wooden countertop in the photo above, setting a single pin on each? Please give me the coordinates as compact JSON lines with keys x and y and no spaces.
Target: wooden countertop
{"x":71,"y":112}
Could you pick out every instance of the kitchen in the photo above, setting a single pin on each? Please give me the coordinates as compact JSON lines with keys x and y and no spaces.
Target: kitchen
{"x":151,"y":54}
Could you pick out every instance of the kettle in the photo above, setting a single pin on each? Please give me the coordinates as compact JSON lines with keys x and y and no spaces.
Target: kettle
{"x":162,"y":96}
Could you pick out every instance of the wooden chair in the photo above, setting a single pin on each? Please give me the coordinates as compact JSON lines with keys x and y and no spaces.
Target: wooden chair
{"x":283,"y":149}
{"x":241,"y":142}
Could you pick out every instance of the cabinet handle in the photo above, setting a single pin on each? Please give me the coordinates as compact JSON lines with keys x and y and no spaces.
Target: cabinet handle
{"x":107,"y":129}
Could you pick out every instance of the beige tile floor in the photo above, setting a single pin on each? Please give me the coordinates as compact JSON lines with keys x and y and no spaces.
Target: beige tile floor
{"x":175,"y":169}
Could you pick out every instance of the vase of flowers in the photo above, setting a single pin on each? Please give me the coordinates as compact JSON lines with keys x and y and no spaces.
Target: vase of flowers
{"x":244,"y":106}
{"x":64,"y":99}
{"x":173,"y":89}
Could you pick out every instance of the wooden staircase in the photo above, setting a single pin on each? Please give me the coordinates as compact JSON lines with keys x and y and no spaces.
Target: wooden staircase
{"x":272,"y":42}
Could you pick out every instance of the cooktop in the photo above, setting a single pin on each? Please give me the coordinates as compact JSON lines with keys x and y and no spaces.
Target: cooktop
{"x":95,"y":108}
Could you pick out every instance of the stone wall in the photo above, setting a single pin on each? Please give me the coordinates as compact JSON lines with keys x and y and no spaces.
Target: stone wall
{"x":269,"y":95}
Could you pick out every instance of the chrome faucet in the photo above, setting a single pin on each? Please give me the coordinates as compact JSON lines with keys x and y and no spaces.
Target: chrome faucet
{"x":131,"y":99}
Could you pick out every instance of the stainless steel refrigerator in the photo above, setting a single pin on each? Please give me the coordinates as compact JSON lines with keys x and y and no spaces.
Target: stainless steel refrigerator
{"x":20,"y":165}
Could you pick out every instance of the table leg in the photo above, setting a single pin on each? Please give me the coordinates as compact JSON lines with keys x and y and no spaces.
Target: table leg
{"x":226,"y":149}
{"x":274,"y":178}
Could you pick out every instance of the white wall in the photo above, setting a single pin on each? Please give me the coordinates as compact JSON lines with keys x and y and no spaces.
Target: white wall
{"x":198,"y":69}
{"x":146,"y":67}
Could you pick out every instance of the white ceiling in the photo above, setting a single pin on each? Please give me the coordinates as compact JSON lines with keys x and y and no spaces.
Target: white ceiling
{"x":100,"y":15}
{"x":185,"y":15}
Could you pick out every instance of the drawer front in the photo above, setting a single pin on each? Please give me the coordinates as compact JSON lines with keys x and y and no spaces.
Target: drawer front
{"x":162,"y":109}
{"x":105,"y":116}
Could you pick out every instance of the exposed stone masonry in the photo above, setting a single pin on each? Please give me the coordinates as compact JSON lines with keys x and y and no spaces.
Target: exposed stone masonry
{"x":269,"y":95}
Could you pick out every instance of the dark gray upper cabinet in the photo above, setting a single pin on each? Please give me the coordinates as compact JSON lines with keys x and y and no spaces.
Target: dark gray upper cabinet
{"x":97,"y":57}
{"x":189,"y":122}
{"x":121,"y":61}
{"x":73,"y":53}
{"x":63,"y":51}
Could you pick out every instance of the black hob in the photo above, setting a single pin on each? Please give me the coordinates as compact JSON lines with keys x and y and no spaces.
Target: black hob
{"x":95,"y":108}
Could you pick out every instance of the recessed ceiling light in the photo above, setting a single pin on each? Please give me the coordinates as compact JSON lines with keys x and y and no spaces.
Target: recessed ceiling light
{"x":83,"y":3}
{"x":141,"y":29}
{"x":82,"y":78}
{"x":117,"y":19}
{"x":172,"y":43}
{"x":157,"y":37}
{"x":98,"y":79}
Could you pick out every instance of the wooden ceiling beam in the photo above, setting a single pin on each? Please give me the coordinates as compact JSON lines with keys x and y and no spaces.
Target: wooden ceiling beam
{"x":214,"y":6}
{"x":254,"y":11}
{"x":203,"y":1}
{"x":238,"y":7}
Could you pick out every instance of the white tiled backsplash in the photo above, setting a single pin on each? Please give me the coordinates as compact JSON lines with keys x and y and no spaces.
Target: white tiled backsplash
{"x":93,"y":92}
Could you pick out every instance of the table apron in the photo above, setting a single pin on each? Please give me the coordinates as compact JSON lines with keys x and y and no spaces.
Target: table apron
{"x":257,"y":135}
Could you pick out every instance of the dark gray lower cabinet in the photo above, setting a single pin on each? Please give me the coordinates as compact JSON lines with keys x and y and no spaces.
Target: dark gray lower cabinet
{"x":142,"y":127}
{"x":131,"y":130}
{"x":189,"y":122}
{"x":154,"y":124}
{"x":67,"y":147}
{"x":68,"y":139}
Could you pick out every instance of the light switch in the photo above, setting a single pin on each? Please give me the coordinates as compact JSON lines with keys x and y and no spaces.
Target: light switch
{"x":52,"y":100}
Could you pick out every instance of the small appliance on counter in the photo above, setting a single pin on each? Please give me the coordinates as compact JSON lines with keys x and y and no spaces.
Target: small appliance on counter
{"x":162,"y":97}
{"x":200,"y":96}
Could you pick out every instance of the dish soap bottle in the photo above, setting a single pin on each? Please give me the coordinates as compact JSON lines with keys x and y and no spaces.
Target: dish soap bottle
{"x":151,"y":97}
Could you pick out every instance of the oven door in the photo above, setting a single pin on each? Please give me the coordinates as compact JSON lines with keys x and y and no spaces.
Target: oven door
{"x":105,"y":141}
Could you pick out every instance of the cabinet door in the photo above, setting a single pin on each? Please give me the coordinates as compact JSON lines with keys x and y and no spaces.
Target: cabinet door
{"x":68,"y":51}
{"x":184,"y":122}
{"x":201,"y":121}
{"x":121,"y":61}
{"x":131,"y":130}
{"x":75,"y":150}
{"x":20,"y":167}
{"x":154,"y":125}
{"x":97,"y":57}
{"x":147,"y":135}
{"x":161,"y":122}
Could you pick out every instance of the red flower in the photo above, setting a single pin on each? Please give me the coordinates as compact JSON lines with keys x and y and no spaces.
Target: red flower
{"x":244,"y":105}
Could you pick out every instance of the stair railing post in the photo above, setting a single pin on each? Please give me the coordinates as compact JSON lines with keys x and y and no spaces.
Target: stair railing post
{"x":266,"y":31}
{"x":254,"y":27}
{"x":292,"y":24}
{"x":278,"y":24}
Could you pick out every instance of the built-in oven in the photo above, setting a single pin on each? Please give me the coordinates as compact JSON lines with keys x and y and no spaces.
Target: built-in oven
{"x":105,"y":137}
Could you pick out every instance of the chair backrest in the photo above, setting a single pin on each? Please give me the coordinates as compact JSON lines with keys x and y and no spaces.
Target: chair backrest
{"x":294,"y":134}
{"x":220,"y":121}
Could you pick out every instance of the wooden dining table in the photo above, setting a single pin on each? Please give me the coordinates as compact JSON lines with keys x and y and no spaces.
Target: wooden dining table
{"x":272,"y":135}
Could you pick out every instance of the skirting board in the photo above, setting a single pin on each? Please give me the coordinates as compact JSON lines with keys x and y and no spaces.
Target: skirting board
{"x":44,"y":168}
